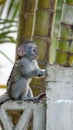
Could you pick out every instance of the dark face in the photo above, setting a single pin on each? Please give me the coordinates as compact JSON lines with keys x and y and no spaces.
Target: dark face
{"x":28,"y":50}
{"x":32,"y":51}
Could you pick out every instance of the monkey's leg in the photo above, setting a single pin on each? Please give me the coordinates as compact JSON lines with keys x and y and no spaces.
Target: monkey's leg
{"x":40,"y":96}
{"x":34,"y":99}
{"x":18,"y":89}
{"x":30,"y":93}
{"x":29,"y":96}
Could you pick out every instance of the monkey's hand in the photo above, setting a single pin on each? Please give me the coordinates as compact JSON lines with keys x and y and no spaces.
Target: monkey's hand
{"x":41,"y":73}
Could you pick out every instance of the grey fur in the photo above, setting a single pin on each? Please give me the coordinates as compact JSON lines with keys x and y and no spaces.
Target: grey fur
{"x":25,"y":68}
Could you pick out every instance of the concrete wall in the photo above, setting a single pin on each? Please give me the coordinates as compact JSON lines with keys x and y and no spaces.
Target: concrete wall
{"x":18,"y":115}
{"x":59,"y":91}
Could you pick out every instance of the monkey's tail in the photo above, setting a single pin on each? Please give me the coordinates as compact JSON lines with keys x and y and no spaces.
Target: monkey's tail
{"x":4,"y":98}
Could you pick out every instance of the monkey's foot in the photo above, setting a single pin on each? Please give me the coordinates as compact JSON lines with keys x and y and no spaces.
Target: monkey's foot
{"x":35,"y":100}
{"x":42,"y":95}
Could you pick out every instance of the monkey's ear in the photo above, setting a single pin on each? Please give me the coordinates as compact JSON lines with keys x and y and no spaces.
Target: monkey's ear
{"x":20,"y":51}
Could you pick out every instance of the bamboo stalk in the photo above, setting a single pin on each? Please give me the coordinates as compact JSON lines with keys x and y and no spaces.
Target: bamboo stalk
{"x":56,"y":31}
{"x":26,"y":20}
{"x":65,"y":46}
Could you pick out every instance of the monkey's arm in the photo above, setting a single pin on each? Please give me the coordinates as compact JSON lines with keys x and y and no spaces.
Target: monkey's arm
{"x":27,"y":74}
{"x":41,"y":72}
{"x":36,"y":72}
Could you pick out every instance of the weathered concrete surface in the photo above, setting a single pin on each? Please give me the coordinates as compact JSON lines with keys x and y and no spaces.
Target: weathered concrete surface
{"x":57,"y":115}
{"x":29,"y":111}
{"x":59,"y":91}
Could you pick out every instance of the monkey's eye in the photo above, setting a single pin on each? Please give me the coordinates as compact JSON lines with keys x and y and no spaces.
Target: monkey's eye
{"x":35,"y":50}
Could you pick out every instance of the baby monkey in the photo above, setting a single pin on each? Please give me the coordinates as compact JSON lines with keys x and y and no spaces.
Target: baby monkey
{"x":24,"y":69}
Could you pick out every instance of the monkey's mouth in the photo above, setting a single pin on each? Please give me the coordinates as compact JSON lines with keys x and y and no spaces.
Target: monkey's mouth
{"x":35,"y":57}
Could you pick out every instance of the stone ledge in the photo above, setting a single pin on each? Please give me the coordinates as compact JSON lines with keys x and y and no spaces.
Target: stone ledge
{"x":24,"y":112}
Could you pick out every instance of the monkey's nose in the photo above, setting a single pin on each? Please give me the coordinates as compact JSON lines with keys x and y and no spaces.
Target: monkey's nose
{"x":37,"y":53}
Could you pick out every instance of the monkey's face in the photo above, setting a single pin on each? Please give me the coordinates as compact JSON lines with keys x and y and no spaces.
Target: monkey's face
{"x":32,"y":51}
{"x":29,"y":50}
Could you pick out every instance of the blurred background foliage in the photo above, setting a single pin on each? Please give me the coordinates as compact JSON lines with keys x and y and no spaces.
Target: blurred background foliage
{"x":8,"y":20}
{"x":8,"y":33}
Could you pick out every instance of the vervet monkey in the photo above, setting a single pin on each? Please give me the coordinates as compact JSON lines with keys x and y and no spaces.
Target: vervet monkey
{"x":24,"y":69}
